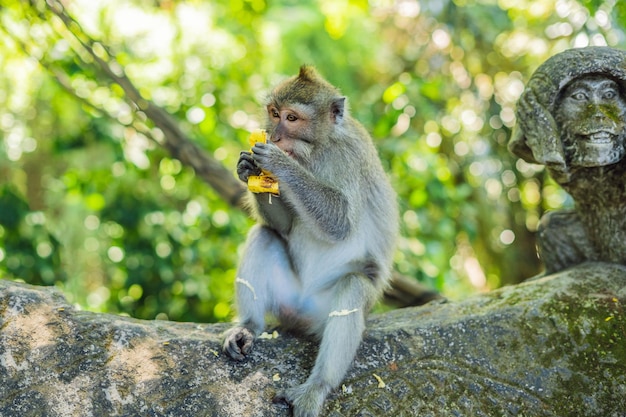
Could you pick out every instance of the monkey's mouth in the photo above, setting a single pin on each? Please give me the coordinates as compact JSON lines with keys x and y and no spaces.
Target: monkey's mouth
{"x":599,"y":138}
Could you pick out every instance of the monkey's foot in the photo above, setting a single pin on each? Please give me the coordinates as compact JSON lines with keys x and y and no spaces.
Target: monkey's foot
{"x":306,"y":400}
{"x":238,"y":342}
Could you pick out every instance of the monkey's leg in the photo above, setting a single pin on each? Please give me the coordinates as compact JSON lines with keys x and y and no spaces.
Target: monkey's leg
{"x":263,"y":278}
{"x":353,"y":295}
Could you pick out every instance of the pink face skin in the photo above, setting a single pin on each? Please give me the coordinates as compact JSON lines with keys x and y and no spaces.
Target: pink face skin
{"x":289,"y":126}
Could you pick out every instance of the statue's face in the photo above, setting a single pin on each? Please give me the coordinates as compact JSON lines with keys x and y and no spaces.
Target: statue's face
{"x":591,"y":115}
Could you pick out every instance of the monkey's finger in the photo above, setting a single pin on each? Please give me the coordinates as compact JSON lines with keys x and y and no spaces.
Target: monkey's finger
{"x":245,"y":339}
{"x":231,"y":348}
{"x":246,"y":156}
{"x":262,"y":148}
{"x":245,"y":168}
{"x":246,"y":347}
{"x":245,"y":173}
{"x":235,"y":354}
{"x":245,"y":164}
{"x":267,"y":156}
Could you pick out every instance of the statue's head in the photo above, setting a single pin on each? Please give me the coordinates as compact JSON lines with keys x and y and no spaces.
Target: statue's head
{"x":590,"y":114}
{"x":572,"y":113}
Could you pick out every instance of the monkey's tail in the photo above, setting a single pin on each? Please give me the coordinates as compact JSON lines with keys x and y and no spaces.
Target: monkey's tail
{"x":405,"y":291}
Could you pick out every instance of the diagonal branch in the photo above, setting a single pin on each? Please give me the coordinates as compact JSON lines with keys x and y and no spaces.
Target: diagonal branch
{"x":174,"y":140}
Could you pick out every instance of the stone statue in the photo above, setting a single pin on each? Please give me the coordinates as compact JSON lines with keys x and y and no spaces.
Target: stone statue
{"x":572,"y":118}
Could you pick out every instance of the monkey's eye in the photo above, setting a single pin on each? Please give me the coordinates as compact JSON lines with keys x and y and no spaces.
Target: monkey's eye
{"x":274,"y":113}
{"x":292,"y":117}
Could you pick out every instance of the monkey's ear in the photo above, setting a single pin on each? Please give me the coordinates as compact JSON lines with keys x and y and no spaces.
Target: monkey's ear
{"x":337,"y":108}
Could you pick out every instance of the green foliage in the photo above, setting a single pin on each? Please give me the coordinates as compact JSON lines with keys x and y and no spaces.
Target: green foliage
{"x":126,"y":228}
{"x":27,"y":249}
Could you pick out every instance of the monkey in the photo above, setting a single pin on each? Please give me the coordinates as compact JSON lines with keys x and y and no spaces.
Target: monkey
{"x":320,"y":254}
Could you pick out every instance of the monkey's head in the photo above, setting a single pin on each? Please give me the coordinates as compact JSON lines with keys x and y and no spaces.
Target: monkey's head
{"x":303,"y":112}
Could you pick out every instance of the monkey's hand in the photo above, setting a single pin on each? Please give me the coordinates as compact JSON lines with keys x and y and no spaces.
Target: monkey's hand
{"x":238,"y":342}
{"x":271,"y":158}
{"x":246,"y":166}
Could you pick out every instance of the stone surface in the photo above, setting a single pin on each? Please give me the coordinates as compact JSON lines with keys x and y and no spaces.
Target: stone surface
{"x":554,"y":346}
{"x":572,"y":118}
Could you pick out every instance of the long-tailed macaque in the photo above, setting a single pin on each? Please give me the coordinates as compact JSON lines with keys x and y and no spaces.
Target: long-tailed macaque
{"x":321,"y":253}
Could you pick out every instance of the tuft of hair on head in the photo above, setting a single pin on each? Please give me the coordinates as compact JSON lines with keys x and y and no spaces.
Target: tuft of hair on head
{"x":308,"y":73}
{"x":308,"y":76}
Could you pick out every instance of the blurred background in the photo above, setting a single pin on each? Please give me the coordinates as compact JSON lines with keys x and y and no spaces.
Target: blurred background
{"x":91,"y":202}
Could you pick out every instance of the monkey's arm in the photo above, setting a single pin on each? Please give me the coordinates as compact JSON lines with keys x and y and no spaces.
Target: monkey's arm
{"x":274,"y":212}
{"x":324,"y":208}
{"x":272,"y":209}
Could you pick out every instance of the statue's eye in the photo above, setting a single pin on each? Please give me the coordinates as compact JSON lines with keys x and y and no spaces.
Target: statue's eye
{"x":579,"y":95}
{"x":609,"y":94}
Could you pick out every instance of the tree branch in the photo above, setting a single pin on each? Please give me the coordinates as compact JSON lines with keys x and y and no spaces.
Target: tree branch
{"x":175,"y":140}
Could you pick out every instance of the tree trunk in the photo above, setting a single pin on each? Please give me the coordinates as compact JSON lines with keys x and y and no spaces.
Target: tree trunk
{"x":555,"y":346}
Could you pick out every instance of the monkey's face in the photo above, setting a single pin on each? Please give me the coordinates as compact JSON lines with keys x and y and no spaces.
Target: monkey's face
{"x":591,"y":114}
{"x":291,"y":129}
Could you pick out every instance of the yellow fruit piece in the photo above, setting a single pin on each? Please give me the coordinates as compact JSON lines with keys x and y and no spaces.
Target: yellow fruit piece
{"x":264,"y":183}
{"x":257,"y":135}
